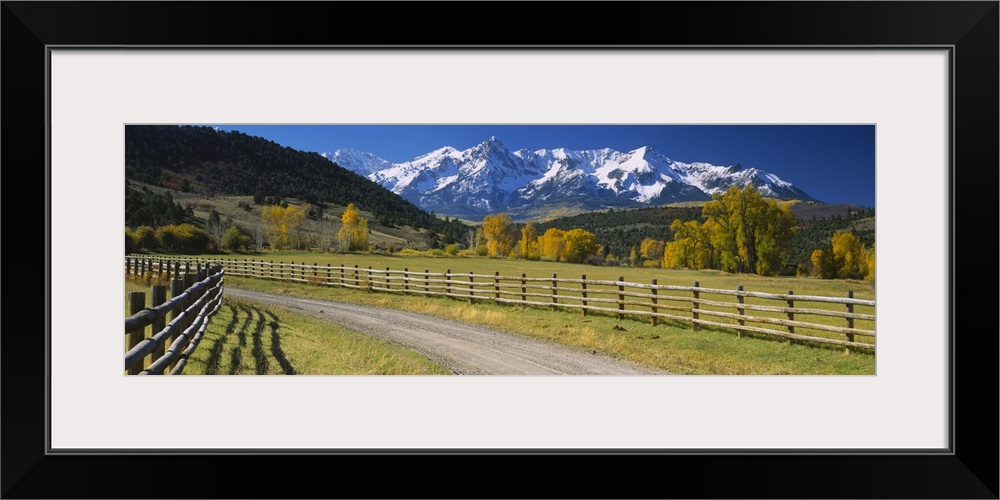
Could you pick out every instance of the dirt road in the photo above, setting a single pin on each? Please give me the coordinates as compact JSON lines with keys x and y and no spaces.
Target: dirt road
{"x":462,"y":348}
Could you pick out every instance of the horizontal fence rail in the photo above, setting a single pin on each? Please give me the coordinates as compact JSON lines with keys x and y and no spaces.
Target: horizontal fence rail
{"x":844,"y":321}
{"x":155,"y":346}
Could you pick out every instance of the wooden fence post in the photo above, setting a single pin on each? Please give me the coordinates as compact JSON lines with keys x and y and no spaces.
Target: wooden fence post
{"x":741,"y":310}
{"x":427,"y":280}
{"x":341,"y":274}
{"x":791,"y":316}
{"x":329,"y":279}
{"x":158,"y":295}
{"x":524,"y":288}
{"x":369,"y":278}
{"x":136,"y":303}
{"x":314,"y":273}
{"x":189,"y":280}
{"x":357,"y":278}
{"x":471,"y":287}
{"x":406,"y":280}
{"x":555,"y":291}
{"x":653,"y":317}
{"x":850,"y":323}
{"x":496,"y":287}
{"x":621,"y":297}
{"x":694,"y":308}
{"x":176,"y":288}
{"x":584,"y":292}
{"x":387,"y":285}
{"x":447,"y":282}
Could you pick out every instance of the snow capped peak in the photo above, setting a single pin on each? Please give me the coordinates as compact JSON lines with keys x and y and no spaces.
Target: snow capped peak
{"x":361,"y":162}
{"x":488,"y":178}
{"x":491,"y":144}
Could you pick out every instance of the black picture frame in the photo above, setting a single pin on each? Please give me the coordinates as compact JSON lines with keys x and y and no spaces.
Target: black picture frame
{"x":968,"y":470}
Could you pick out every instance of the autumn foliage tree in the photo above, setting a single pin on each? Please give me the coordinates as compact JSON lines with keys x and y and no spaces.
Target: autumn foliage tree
{"x":553,"y":244}
{"x":500,"y":234}
{"x":580,"y":245}
{"x":692,"y":246}
{"x":751,"y":233}
{"x":182,"y":238}
{"x":282,"y":224}
{"x":652,"y":251}
{"x":529,"y":242}
{"x":353,"y":234}
{"x":145,"y":238}
{"x":845,"y":258}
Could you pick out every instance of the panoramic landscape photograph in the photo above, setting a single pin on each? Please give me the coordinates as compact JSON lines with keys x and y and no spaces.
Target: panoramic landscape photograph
{"x":638,"y":250}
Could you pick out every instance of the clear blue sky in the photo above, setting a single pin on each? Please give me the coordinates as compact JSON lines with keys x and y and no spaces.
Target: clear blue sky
{"x":833,"y":163}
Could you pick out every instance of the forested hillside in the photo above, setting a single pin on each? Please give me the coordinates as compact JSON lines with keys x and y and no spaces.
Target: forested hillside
{"x":204,"y":160}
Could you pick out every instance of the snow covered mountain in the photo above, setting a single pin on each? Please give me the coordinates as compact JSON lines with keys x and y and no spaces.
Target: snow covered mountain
{"x":361,"y":162}
{"x":489,"y":178}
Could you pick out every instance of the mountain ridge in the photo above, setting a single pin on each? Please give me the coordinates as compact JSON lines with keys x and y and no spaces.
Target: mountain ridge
{"x":490,"y":178}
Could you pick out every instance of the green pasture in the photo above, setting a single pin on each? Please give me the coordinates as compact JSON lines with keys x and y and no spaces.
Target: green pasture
{"x":672,"y":345}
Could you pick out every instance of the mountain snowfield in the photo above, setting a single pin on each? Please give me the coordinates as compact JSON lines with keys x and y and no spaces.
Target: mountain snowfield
{"x":489,"y":178}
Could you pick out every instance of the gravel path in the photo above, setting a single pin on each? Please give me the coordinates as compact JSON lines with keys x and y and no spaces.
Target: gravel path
{"x":464,"y":349}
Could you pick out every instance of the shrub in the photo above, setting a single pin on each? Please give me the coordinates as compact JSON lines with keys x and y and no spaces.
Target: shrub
{"x":130,"y":245}
{"x":145,"y":238}
{"x":233,"y":239}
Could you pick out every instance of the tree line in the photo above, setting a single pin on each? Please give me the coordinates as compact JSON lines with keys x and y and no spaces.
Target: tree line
{"x":738,"y":231}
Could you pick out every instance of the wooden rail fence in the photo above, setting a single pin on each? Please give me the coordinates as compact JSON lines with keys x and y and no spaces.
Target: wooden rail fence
{"x":844,"y":321}
{"x":154,"y":346}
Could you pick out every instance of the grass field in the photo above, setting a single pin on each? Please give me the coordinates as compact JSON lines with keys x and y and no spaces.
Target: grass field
{"x":245,"y":338}
{"x":514,"y":267}
{"x":669,"y":345}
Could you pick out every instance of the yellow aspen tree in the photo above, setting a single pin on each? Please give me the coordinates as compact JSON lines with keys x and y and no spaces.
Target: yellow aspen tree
{"x":580,"y":244}
{"x":553,"y":244}
{"x":353,"y":233}
{"x":847,"y":255}
{"x":870,"y":275}
{"x":498,"y":230}
{"x":529,"y":242}
{"x":278,"y":223}
{"x":652,"y":250}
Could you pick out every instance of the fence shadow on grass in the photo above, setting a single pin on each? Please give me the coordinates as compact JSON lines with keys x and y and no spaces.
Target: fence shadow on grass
{"x":215,"y":353}
{"x":276,"y":351}
{"x":236,"y":353}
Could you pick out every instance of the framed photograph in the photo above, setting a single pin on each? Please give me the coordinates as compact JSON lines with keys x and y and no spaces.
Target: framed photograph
{"x":922,"y":74}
